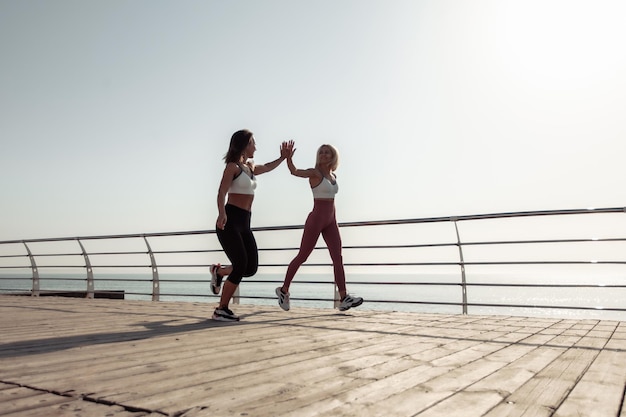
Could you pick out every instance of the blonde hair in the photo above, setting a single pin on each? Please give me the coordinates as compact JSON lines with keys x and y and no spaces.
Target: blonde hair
{"x":334,"y":162}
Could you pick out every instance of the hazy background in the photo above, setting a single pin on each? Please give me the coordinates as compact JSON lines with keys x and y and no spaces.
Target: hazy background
{"x":115,"y":114}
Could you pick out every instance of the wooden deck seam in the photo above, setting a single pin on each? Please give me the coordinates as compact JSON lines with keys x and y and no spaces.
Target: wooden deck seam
{"x":71,"y":396}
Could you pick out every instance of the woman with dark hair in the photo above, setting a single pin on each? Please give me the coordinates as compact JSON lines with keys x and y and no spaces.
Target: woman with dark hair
{"x":233,"y":221}
{"x":322,"y":221}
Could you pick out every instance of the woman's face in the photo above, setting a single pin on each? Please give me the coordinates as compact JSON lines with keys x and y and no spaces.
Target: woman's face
{"x":325,"y":155}
{"x":251,"y":148}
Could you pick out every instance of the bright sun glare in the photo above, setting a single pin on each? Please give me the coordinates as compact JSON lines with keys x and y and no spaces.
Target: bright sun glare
{"x":564,"y":46}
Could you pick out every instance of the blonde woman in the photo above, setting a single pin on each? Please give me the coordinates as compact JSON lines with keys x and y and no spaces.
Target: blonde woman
{"x":321,"y":221}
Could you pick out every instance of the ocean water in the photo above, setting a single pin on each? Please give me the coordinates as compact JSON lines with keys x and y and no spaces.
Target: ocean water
{"x":428,"y":293}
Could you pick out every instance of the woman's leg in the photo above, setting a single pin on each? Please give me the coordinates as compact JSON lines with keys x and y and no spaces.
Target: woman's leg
{"x":225,"y":270}
{"x":227,"y":293}
{"x":236,"y":253}
{"x":309,"y":239}
{"x":252,"y":252}
{"x":332,"y":237}
{"x":233,"y":244}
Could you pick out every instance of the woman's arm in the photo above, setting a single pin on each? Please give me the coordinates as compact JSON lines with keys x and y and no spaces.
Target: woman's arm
{"x":302,"y":173}
{"x":230,"y":171}
{"x":262,"y":169}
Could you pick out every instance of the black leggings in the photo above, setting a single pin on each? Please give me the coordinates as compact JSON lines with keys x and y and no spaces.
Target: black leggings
{"x":238,"y":243}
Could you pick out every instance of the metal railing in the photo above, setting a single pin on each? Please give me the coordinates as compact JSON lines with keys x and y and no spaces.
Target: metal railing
{"x":530,"y":261}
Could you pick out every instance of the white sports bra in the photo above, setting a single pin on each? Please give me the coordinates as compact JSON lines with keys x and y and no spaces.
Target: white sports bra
{"x":243,"y":184}
{"x":325,"y":189}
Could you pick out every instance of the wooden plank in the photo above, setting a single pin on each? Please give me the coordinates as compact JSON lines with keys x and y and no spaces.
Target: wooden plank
{"x":138,"y":354}
{"x":358,"y":400}
{"x":437,"y":396}
{"x":259,"y":383}
{"x":541,"y":395}
{"x":379,"y":390}
{"x":297,"y":401}
{"x":27,"y":400}
{"x":235,"y":370}
{"x":523,"y":362}
{"x":347,"y":370}
{"x":598,"y":392}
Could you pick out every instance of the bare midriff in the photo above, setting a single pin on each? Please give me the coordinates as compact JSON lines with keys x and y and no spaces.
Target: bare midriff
{"x":243,"y":201}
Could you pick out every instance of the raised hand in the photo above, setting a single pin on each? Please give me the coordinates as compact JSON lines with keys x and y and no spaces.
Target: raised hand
{"x":289,"y":148}
{"x":285,"y":149}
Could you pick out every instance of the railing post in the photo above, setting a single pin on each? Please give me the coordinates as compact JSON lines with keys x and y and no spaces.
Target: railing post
{"x":33,"y":266}
{"x":462,"y":263}
{"x":90,"y":284}
{"x":156,"y":289}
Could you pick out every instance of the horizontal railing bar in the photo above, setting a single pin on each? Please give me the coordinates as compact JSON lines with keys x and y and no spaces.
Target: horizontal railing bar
{"x":110,"y":237}
{"x":457,"y":284}
{"x":530,"y":306}
{"x":370,"y":264}
{"x":476,"y":263}
{"x":536,"y":306}
{"x":523,"y":242}
{"x":43,"y":255}
{"x":487,"y":216}
{"x":487,"y":284}
{"x":386,"y":283}
{"x":605,"y":262}
{"x":428,"y":245}
{"x":83,"y":266}
{"x":187,"y":251}
{"x":495,"y":242}
{"x":406,"y":246}
{"x":116,"y":253}
{"x":458,"y":263}
{"x":90,"y":254}
{"x":43,"y":277}
{"x":344,"y":224}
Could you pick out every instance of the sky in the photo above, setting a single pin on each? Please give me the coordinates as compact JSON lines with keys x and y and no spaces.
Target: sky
{"x":115,"y":115}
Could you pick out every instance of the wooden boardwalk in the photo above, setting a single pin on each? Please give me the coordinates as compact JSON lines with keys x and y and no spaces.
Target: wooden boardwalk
{"x":119,"y":358}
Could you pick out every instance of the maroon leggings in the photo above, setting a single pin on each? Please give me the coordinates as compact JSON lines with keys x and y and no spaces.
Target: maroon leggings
{"x":320,"y":221}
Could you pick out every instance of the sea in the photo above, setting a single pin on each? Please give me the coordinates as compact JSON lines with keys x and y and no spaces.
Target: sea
{"x":428,"y":293}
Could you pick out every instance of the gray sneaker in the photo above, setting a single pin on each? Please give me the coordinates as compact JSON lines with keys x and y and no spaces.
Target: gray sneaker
{"x":283,"y":299}
{"x":349,"y":301}
{"x":224,"y":314}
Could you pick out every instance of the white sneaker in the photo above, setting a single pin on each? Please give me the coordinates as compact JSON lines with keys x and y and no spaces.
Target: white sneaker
{"x":283,"y":299}
{"x":349,"y":301}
